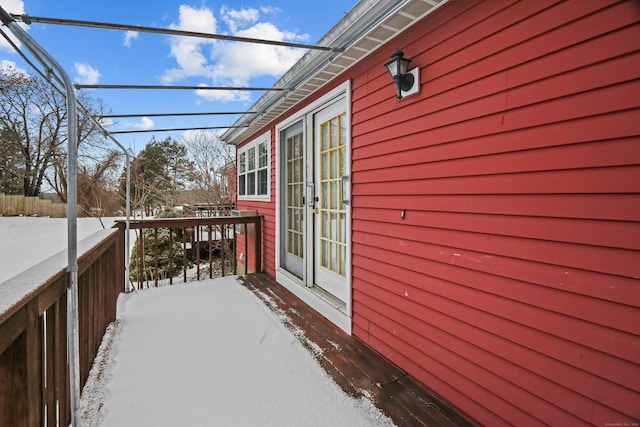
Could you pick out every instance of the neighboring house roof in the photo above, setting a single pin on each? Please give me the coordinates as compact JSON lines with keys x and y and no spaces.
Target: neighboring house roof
{"x":366,"y":27}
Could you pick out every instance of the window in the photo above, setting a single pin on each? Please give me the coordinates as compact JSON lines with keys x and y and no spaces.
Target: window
{"x":254,"y":169}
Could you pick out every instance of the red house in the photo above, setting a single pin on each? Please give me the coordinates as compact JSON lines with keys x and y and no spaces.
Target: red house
{"x":483,"y":231}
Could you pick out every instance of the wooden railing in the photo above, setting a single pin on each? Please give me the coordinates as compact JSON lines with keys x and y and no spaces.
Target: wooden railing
{"x":170,"y":250}
{"x":34,"y":374}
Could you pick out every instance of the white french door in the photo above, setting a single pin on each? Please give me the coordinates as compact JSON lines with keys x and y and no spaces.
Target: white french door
{"x":292,"y":201}
{"x":314,"y":205}
{"x":330,"y":211}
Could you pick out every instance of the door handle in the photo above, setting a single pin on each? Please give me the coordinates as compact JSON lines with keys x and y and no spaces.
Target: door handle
{"x":310,"y":194}
{"x":344,"y":183}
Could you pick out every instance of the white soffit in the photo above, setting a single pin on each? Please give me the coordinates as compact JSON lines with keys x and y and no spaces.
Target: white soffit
{"x":369,"y":25}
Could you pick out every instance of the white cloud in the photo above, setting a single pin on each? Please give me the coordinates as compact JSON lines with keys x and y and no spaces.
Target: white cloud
{"x":145,"y":123}
{"x":188,"y":50}
{"x":86,"y":74}
{"x":230,"y":63}
{"x":129,"y":36}
{"x":245,"y":61}
{"x":235,"y":18}
{"x":10,"y":66}
{"x":223,"y":95}
{"x":12,"y":6}
{"x":106,"y":122}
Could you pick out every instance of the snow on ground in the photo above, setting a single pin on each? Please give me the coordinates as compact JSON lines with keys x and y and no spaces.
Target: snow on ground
{"x":26,"y":241}
{"x":211,"y":353}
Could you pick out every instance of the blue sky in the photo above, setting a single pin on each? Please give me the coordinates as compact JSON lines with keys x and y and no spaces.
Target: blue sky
{"x":101,"y":56}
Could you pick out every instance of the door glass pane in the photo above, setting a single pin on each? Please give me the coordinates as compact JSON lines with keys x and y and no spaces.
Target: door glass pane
{"x":334,"y":133}
{"x":324,"y":248}
{"x":324,"y":199}
{"x":342,"y":257}
{"x":294,"y":202}
{"x":333,"y":196}
{"x":334,"y":164}
{"x":333,"y":212}
{"x":333,"y":227}
{"x":343,"y":227}
{"x":324,"y":136}
{"x":324,"y":165}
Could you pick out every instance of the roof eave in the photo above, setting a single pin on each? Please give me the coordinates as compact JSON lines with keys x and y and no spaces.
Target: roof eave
{"x":367,"y":26}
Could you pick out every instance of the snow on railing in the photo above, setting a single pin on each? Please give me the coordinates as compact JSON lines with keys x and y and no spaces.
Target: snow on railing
{"x":34,"y":381}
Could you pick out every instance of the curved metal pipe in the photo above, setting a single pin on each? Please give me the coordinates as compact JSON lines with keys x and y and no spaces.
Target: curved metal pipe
{"x":72,"y":215}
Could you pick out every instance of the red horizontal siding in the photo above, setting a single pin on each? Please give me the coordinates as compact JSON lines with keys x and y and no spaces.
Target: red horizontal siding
{"x":471,"y":139}
{"x":268,"y":210}
{"x":577,"y":156}
{"x":613,"y":234}
{"x":496,"y":215}
{"x":514,"y":307}
{"x":532,"y":391}
{"x":459,"y":354}
{"x":615,"y":207}
{"x":488,"y":116}
{"x":509,"y":284}
{"x":623,"y":179}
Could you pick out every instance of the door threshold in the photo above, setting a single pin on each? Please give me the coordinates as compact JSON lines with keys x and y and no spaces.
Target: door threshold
{"x":332,"y":308}
{"x":329,"y":298}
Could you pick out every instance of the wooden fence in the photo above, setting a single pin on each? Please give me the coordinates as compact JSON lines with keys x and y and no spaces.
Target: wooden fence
{"x":34,"y":374}
{"x":14,"y":205}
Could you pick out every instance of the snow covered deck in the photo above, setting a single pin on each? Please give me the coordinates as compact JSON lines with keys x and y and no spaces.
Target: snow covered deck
{"x":242,"y":351}
{"x":232,"y":351}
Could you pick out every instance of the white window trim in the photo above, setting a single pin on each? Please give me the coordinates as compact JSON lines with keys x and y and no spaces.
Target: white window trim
{"x":264,"y":138}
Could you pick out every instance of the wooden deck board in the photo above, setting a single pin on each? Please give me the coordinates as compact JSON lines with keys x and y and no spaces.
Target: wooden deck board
{"x":354,"y":366}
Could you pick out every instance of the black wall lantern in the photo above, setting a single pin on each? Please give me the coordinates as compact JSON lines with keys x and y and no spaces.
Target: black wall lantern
{"x":398,"y":68}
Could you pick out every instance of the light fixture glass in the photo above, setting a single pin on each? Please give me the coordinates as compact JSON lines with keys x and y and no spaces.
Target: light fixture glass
{"x":398,"y":68}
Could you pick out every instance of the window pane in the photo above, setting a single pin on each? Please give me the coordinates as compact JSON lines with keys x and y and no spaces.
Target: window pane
{"x":262,"y":181}
{"x":251,"y":160}
{"x":242,"y":185}
{"x":262,"y":155}
{"x":251,"y":184}
{"x":242,"y":168}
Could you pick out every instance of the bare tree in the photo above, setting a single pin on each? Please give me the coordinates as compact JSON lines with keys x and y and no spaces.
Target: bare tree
{"x":142,"y":191}
{"x":93,"y":156}
{"x":33,"y":119}
{"x":212,"y":160}
{"x":32,"y":109}
{"x":11,"y":172}
{"x":97,"y":189}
